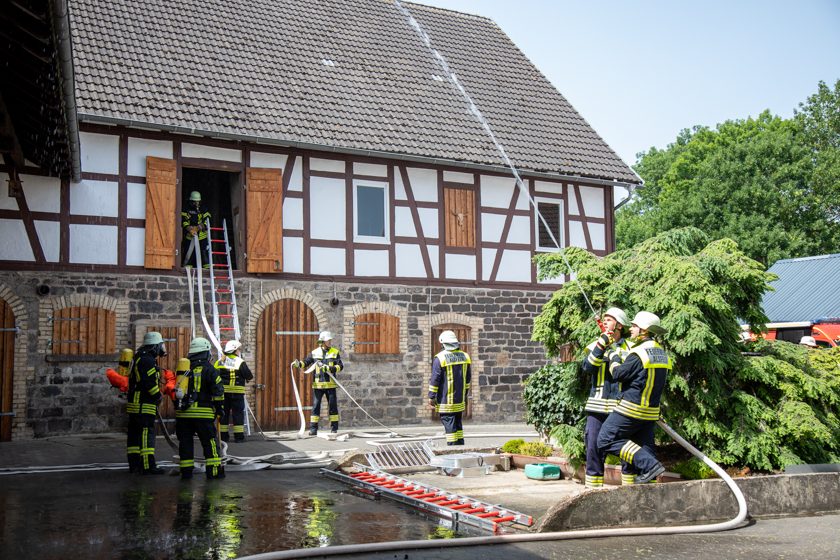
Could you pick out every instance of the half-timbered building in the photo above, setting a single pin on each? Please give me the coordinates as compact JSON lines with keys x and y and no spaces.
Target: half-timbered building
{"x":361,"y":194}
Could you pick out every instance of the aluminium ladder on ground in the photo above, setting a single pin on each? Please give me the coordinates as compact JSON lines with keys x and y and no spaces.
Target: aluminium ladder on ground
{"x":437,"y":501}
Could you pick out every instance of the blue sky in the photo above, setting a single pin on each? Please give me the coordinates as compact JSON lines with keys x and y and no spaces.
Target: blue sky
{"x":640,"y":71}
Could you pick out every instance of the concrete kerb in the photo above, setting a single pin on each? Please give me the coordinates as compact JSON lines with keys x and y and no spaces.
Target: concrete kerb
{"x":698,"y":501}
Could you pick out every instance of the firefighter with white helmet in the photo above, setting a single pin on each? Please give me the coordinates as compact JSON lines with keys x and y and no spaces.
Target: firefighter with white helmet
{"x":450,"y":385}
{"x":143,"y":399}
{"x":604,"y":392}
{"x":808,"y":341}
{"x":628,"y":431}
{"x":327,"y":361}
{"x":235,"y":373}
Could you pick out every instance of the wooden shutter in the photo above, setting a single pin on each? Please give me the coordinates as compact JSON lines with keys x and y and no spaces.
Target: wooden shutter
{"x":459,"y":206}
{"x":376,"y":333}
{"x":464,"y":335}
{"x":161,"y":189}
{"x":84,"y":330}
{"x":177,"y":339}
{"x":7,"y":368}
{"x":264,"y":207}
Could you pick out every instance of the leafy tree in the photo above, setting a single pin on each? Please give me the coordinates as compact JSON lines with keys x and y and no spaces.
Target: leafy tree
{"x":762,"y":412}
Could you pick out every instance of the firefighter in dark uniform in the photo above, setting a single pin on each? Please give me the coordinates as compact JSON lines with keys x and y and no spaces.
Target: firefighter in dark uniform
{"x":628,"y":431}
{"x":234,"y":372}
{"x":143,"y":399}
{"x":449,"y":386}
{"x":199,"y":400}
{"x":194,"y":221}
{"x":324,"y":360}
{"x":603,"y":393}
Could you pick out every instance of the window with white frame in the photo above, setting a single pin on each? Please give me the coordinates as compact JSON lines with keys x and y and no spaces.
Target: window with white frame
{"x":552,"y":212}
{"x":370,"y":213}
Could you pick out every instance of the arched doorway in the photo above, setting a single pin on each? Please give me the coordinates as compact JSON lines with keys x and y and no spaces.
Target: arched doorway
{"x":287,"y":330}
{"x":464,"y":334}
{"x":7,"y":367}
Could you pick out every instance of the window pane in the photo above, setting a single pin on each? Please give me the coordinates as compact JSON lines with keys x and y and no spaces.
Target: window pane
{"x":370,"y":208}
{"x":551,"y":213}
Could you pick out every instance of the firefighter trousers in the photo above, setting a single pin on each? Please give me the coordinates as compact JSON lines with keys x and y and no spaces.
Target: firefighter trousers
{"x":332,"y":401}
{"x":233,"y":413}
{"x":630,"y":440}
{"x":140,"y":443}
{"x":453,"y":427}
{"x":594,"y":464}
{"x":205,"y":429}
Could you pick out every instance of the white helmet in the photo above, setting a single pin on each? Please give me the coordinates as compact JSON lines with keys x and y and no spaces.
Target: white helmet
{"x":648,"y":321}
{"x":808,"y":341}
{"x":325,"y":336}
{"x":232,"y":346}
{"x":618,"y":315}
{"x":448,"y":337}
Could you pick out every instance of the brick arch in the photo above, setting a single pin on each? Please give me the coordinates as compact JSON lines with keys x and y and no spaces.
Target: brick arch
{"x":50,"y":305}
{"x":351,"y":312}
{"x":276,"y":295}
{"x":24,"y":374}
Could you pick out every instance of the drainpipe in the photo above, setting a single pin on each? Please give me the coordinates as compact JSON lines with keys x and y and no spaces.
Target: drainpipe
{"x":61,"y":27}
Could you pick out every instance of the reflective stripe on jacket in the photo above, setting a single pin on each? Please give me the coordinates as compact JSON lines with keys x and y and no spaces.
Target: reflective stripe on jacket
{"x":193,"y":217}
{"x":450,"y":381}
{"x":234,"y":373}
{"x":204,"y":389}
{"x":642,"y":377}
{"x":603,"y":391}
{"x":332,"y":364}
{"x":143,"y":384}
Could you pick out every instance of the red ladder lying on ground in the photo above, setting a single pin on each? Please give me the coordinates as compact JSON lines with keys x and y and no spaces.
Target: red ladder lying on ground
{"x":223,"y":294}
{"x":440,"y":502}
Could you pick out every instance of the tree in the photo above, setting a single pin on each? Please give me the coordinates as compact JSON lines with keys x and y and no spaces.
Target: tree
{"x":770,"y":184}
{"x":762,"y":412}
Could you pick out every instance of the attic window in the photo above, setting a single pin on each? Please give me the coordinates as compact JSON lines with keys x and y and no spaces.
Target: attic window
{"x":327,"y":62}
{"x":437,"y":78}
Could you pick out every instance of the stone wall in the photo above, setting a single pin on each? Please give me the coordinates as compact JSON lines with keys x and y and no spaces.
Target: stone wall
{"x":75,"y":396}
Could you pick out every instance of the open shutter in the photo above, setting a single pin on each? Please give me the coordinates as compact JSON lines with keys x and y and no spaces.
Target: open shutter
{"x":376,"y":333}
{"x":161,"y":189}
{"x":264,"y":207}
{"x":459,"y":205}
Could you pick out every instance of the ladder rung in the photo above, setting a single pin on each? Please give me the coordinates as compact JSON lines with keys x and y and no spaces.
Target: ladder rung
{"x":489,"y":514}
{"x":218,"y":252}
{"x":217,"y":265}
{"x":216,"y":229}
{"x":462,"y":506}
{"x":226,"y":316}
{"x":224,"y":303}
{"x":503,"y":519}
{"x":223,"y":291}
{"x":474,"y":510}
{"x":225,"y":328}
{"x":217,"y":241}
{"x":447,"y":502}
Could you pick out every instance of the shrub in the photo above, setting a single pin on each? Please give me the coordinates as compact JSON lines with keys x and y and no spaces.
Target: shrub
{"x":693,"y":469}
{"x":513,"y":445}
{"x":536,"y":449}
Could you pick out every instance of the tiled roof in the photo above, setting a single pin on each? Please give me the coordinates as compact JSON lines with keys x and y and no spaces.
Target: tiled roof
{"x":807,"y":289}
{"x":344,"y":74}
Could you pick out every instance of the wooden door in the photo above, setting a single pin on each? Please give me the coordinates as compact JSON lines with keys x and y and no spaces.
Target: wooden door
{"x":464,"y":335}
{"x":161,"y":191}
{"x":7,"y":367}
{"x":177,"y":339}
{"x":264,"y":208}
{"x":287,"y":330}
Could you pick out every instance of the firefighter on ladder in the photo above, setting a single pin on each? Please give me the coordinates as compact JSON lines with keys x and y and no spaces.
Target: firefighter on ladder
{"x":326,"y":360}
{"x":194,"y":221}
{"x":234,"y":373}
{"x":143,"y":399}
{"x":449,"y":386}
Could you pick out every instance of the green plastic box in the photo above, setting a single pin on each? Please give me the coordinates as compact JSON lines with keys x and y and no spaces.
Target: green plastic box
{"x":542,"y":471}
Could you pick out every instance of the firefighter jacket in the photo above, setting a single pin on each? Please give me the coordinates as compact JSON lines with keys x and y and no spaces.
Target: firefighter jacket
{"x":234,"y":373}
{"x":450,"y":381}
{"x":642,"y":378}
{"x":331,"y":360}
{"x":144,"y":384}
{"x":192,"y":217}
{"x":204,"y":392}
{"x":603,"y":392}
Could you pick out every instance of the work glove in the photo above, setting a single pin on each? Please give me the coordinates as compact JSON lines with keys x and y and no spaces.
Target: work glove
{"x":321,"y":365}
{"x":219,"y":408}
{"x":604,"y":341}
{"x":297,"y":364}
{"x":615,"y":361}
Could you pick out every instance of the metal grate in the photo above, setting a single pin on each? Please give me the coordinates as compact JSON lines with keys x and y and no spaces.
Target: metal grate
{"x":401,"y":455}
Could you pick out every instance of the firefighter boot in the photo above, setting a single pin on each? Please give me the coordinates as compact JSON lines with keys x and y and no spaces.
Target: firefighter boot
{"x":313,"y":429}
{"x":225,"y":436}
{"x":239,"y":438}
{"x":134,"y":463}
{"x":655,"y":471}
{"x":153,"y":469}
{"x":334,"y":428}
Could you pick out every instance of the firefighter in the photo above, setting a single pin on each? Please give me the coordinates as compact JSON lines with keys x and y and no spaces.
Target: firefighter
{"x":327,"y":360}
{"x":194,"y":221}
{"x":234,"y":372}
{"x":200,"y":399}
{"x":603,"y":393}
{"x":143,"y":398}
{"x":449,"y":386}
{"x":628,"y":431}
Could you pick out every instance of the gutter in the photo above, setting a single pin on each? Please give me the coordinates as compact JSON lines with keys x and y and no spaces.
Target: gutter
{"x":61,"y":26}
{"x":100,"y":119}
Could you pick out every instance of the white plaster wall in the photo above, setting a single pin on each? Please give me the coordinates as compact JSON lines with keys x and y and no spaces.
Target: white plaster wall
{"x":135,"y":246}
{"x":321,"y":164}
{"x":296,"y":182}
{"x":370,"y":263}
{"x":547,"y":187}
{"x":457,"y":177}
{"x":211,"y":152}
{"x":15,"y":245}
{"x":423,"y":184}
{"x":409,"y":261}
{"x":136,"y":201}
{"x":399,"y":188}
{"x":496,"y":191}
{"x":491,"y":227}
{"x":93,"y":244}
{"x":100,"y":152}
{"x":576,"y":236}
{"x":293,"y":213}
{"x":43,"y":194}
{"x":326,"y":260}
{"x":6,"y":202}
{"x":324,"y":192}
{"x":520,"y":230}
{"x":293,"y":254}
{"x":94,"y":198}
{"x":270,"y":161}
{"x":403,"y":222}
{"x":572,"y":198}
{"x":429,"y":222}
{"x":515,"y":266}
{"x":460,"y":267}
{"x":488,"y":257}
{"x":49,"y":233}
{"x":372,"y":169}
{"x":523,"y":202}
{"x":593,"y":201}
{"x":434,"y":257}
{"x":598,"y":235}
{"x":140,"y":148}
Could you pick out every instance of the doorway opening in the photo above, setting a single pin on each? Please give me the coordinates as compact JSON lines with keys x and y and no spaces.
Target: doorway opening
{"x":221,"y":196}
